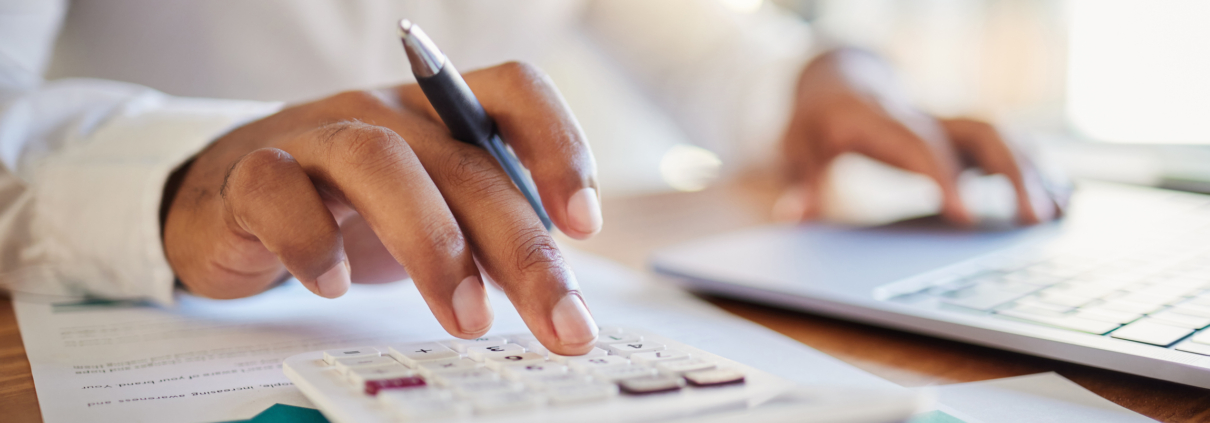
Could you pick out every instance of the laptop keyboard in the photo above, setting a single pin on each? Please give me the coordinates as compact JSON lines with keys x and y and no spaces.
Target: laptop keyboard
{"x":1153,"y":293}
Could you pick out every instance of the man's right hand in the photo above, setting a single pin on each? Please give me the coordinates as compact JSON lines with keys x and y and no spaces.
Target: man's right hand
{"x":369,"y":187}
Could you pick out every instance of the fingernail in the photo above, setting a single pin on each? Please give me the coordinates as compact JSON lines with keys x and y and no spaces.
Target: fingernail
{"x":791,"y":206}
{"x":471,"y":308}
{"x":573,"y":324}
{"x":335,"y":282}
{"x":584,"y":212}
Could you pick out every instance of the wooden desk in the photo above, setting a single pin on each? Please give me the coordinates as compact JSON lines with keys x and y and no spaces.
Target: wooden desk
{"x":635,"y":226}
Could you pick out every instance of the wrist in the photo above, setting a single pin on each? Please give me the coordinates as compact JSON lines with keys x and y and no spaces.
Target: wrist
{"x":171,"y":187}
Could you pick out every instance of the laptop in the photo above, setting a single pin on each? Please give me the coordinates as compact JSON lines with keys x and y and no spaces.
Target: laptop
{"x":1121,"y":283}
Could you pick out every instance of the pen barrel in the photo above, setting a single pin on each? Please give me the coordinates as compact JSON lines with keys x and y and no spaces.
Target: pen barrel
{"x":457,"y":106}
{"x":461,"y":112}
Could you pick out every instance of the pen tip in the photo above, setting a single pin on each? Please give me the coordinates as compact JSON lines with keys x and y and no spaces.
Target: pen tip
{"x":405,"y":27}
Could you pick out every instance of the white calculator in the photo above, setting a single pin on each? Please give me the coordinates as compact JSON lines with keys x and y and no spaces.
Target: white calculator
{"x":630,"y":376}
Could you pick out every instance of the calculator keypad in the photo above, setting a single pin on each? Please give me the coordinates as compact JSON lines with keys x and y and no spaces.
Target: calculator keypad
{"x":503,"y":374}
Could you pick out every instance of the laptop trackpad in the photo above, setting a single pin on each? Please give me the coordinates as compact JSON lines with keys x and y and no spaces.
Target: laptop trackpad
{"x":818,"y":258}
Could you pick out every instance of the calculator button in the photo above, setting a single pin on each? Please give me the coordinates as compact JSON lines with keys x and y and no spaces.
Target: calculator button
{"x":395,"y":397}
{"x":461,"y":345}
{"x":536,"y":347}
{"x":482,"y":353}
{"x":499,"y":362}
{"x":468,"y":376}
{"x":429,"y":368}
{"x":373,"y":386}
{"x":714,"y":377}
{"x":521,"y":339}
{"x":595,"y":352}
{"x":626,"y":349}
{"x":604,"y":341}
{"x":344,"y":364}
{"x":525,"y":371}
{"x":330,"y":356}
{"x":653,"y":384}
{"x":494,"y":387}
{"x":657,"y":356}
{"x":610,"y":330}
{"x":360,"y":375}
{"x":582,"y":393}
{"x":677,"y":367}
{"x":510,"y":401}
{"x":442,"y":409}
{"x":411,"y":354}
{"x":588,"y":364}
{"x":555,"y":382}
{"x":614,"y":374}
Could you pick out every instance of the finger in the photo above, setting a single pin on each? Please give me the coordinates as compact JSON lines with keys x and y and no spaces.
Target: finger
{"x":370,"y":260}
{"x":984,"y":145}
{"x":374,"y":170}
{"x":536,"y":122}
{"x":512,"y":246}
{"x":915,"y":149}
{"x":808,"y":159}
{"x":268,"y":198}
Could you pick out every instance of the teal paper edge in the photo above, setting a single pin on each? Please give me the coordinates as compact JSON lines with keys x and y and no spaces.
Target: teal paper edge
{"x":281,"y":413}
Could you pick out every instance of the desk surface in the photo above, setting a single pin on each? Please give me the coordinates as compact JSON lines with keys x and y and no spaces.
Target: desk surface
{"x":637,"y":225}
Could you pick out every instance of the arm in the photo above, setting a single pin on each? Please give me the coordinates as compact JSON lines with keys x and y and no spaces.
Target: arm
{"x":721,"y":74}
{"x":83,"y":167}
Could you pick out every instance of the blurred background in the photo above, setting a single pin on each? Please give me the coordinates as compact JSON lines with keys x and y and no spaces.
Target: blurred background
{"x":1103,"y":89}
{"x":1108,"y":89}
{"x":1112,"y":90}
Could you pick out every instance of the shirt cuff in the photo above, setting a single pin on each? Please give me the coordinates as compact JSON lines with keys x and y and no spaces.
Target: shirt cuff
{"x":97,"y":208}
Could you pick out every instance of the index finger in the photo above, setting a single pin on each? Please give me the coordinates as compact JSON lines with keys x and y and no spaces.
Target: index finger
{"x":984,"y":144}
{"x":914,"y":149}
{"x":502,"y":231}
{"x":536,"y":122}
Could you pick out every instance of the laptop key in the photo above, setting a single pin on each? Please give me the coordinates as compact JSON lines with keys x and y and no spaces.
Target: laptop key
{"x":1131,"y":306}
{"x":1095,"y":327}
{"x":1062,"y":299}
{"x":1107,"y":315}
{"x":1193,"y":347}
{"x":1202,"y":337}
{"x":1149,"y":331}
{"x":1193,"y":309}
{"x":1182,"y":320}
{"x":985,"y":297}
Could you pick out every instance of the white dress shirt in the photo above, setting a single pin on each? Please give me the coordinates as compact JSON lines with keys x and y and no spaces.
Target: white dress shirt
{"x":101,"y":100}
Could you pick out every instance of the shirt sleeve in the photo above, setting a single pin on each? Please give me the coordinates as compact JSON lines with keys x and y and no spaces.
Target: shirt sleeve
{"x":726,"y":76}
{"x":83,"y":165}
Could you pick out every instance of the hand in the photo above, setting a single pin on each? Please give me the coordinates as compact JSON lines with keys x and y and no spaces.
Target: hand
{"x":847,"y":102}
{"x":369,"y":187}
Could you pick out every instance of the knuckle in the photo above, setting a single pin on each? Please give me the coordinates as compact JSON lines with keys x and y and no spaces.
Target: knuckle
{"x":257,"y":173}
{"x":443,"y":235}
{"x":524,"y":72}
{"x":535,"y":250}
{"x":473,"y":172}
{"x":979,"y":130}
{"x":364,"y":145}
{"x":359,"y":100}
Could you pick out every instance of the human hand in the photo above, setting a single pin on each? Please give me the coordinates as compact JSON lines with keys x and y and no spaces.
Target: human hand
{"x":369,"y":187}
{"x":847,"y":101}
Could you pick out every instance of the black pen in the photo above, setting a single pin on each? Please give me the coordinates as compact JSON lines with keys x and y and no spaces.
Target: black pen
{"x":460,"y":110}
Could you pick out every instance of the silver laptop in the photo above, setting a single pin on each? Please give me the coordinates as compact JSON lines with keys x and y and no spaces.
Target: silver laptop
{"x":1122,"y":283}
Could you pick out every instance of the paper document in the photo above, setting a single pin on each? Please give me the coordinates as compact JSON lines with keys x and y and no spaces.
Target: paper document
{"x":212,"y":360}
{"x":1040,"y":398}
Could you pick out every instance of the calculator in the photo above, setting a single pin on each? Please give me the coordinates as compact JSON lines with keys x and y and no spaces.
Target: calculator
{"x":629,"y":376}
